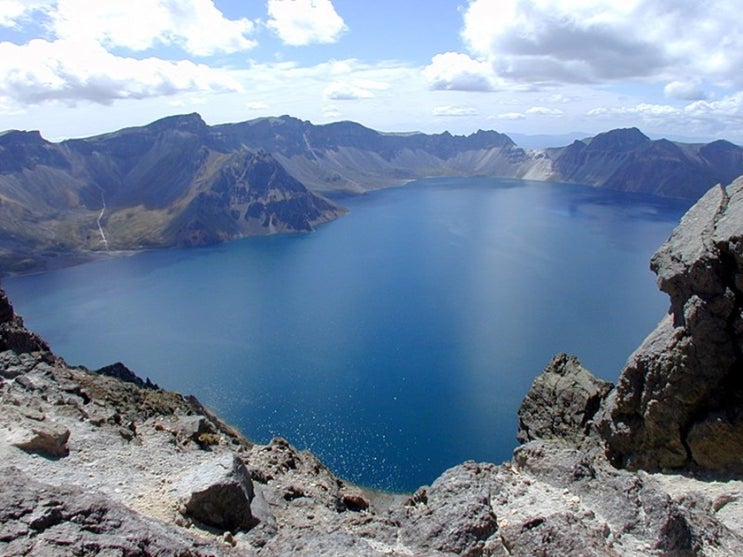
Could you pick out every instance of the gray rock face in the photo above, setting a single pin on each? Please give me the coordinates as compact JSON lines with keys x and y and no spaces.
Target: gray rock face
{"x":218,"y":493}
{"x":562,"y":402}
{"x":455,"y":514}
{"x":40,"y":519}
{"x":13,"y":335}
{"x":678,"y":402}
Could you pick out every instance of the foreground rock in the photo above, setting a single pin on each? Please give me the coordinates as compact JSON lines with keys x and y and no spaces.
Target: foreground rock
{"x":679,"y":402}
{"x":562,"y":402}
{"x":41,"y":519}
{"x":218,"y":493}
{"x":112,"y":465}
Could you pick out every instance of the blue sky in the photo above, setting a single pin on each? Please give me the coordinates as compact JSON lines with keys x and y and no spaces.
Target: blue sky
{"x":72,"y":68}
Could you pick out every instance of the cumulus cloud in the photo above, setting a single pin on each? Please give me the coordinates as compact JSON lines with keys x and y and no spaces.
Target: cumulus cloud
{"x":341,"y":91}
{"x":14,"y":12}
{"x":331,"y":112}
{"x":640,"y":109}
{"x":449,"y":110}
{"x":454,"y":71}
{"x":544,"y":111}
{"x":196,"y":26}
{"x":509,"y":116}
{"x":71,"y":71}
{"x":256,"y":105}
{"x":589,"y":41}
{"x":723,"y":117}
{"x":353,"y":90}
{"x":303,"y":22}
{"x":82,"y":60}
{"x":689,"y":90}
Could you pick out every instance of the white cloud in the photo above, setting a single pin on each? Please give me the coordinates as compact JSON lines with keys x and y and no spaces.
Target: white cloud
{"x":14,"y":12}
{"x":558,"y":98}
{"x":454,"y":71}
{"x":196,"y":26}
{"x":256,"y":105}
{"x":354,"y":89}
{"x":449,"y":110}
{"x":70,"y":71}
{"x":544,"y":111}
{"x":688,"y":90}
{"x":303,"y":22}
{"x":641,"y":109}
{"x":331,"y":112}
{"x":721,"y":118}
{"x":344,"y":91}
{"x":79,"y":63}
{"x":509,"y":116}
{"x":590,"y":41}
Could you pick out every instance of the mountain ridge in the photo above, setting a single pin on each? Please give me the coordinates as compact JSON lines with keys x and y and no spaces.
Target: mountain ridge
{"x":168,"y":183}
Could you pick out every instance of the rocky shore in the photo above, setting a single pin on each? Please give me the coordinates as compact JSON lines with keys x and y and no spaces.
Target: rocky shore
{"x":104,"y":463}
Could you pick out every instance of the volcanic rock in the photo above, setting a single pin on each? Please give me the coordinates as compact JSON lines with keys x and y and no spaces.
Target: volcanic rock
{"x":562,"y":402}
{"x":42,"y":519}
{"x":678,"y":402}
{"x":218,"y":493}
{"x":43,"y":438}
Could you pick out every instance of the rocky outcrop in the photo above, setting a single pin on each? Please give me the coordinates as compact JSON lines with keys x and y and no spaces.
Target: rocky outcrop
{"x":561,"y":402}
{"x":679,"y":401}
{"x":120,"y":371}
{"x":13,"y":335}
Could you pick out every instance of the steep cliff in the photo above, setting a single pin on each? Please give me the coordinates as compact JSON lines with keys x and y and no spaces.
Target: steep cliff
{"x":105,"y":463}
{"x":162,"y":185}
{"x":627,"y":160}
{"x":679,"y":402}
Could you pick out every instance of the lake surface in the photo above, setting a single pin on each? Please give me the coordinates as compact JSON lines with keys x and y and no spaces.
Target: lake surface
{"x":394,"y":342}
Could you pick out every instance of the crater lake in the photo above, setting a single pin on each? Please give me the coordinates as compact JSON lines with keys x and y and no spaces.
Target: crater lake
{"x":394,"y":342}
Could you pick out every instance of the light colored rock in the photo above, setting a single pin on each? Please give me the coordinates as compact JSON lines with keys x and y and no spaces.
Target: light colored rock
{"x":43,"y":438}
{"x":218,"y":493}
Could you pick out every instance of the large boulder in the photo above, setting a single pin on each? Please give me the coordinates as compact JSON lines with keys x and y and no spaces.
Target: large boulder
{"x":561,"y":403}
{"x":218,"y":493}
{"x":679,"y":400}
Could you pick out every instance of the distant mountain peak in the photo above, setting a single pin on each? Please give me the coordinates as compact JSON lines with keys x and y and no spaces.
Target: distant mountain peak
{"x":621,"y":139}
{"x":32,"y":137}
{"x":192,"y":122}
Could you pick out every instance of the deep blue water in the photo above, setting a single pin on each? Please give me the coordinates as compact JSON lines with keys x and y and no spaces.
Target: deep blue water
{"x":394,"y":342}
